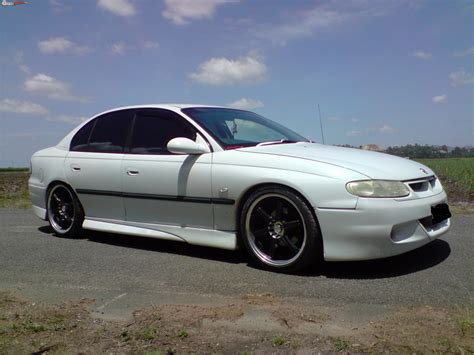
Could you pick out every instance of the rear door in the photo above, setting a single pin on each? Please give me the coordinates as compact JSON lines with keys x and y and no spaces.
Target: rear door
{"x":161,"y":187}
{"x":93,"y":165}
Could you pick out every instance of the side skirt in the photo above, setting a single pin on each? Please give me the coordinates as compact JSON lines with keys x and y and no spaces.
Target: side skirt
{"x":197,"y":236}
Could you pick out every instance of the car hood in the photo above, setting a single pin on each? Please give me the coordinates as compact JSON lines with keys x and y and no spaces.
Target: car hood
{"x":371,"y":164}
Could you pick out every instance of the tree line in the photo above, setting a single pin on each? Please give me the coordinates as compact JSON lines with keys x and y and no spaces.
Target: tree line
{"x":429,"y":151}
{"x":416,"y":151}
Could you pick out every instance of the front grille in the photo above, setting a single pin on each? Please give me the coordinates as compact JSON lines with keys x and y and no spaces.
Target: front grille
{"x":422,"y":185}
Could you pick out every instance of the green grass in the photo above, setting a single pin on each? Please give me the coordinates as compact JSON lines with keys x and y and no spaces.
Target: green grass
{"x":466,"y":323}
{"x":14,"y":189}
{"x":182,"y":334}
{"x":278,"y":340}
{"x":456,"y":175}
{"x":6,"y":170}
{"x":148,"y":334}
{"x":341,"y":345}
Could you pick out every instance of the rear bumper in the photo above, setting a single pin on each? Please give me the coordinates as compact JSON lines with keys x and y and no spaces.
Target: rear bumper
{"x":37,"y":196}
{"x":378,"y":228}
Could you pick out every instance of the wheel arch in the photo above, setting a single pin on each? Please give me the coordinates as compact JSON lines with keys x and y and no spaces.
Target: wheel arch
{"x":241,"y":201}
{"x":60,"y":182}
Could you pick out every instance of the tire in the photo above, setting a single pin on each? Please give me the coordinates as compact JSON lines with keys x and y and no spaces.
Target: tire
{"x":65,"y":214}
{"x":280,"y":231}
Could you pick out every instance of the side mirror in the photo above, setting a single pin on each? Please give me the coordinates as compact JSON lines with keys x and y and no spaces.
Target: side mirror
{"x":183,"y":145}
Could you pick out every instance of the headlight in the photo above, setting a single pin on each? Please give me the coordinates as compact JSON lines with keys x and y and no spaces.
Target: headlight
{"x":377,"y":188}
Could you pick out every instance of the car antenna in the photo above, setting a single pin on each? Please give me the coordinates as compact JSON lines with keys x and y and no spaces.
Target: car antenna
{"x":321,"y":123}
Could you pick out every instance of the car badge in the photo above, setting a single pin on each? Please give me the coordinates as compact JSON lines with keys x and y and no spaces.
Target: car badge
{"x":423,"y":170}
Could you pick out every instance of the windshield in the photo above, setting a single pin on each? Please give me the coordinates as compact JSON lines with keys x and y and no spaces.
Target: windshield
{"x":237,"y":128}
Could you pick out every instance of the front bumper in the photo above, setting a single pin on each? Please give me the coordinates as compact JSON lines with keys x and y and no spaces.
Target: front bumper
{"x":378,"y":228}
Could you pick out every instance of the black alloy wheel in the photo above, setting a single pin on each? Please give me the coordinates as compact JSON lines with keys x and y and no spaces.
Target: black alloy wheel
{"x":65,"y":213}
{"x":279,"y":230}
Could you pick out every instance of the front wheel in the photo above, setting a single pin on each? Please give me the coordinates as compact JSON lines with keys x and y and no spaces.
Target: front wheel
{"x":64,"y":211}
{"x":279,"y":230}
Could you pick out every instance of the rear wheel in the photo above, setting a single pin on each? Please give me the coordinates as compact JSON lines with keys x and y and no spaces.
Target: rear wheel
{"x":64,"y":211}
{"x":279,"y":230}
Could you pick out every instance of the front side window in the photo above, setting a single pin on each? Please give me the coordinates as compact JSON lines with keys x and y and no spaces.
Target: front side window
{"x":152,"y":132}
{"x":106,"y":134}
{"x":237,"y":128}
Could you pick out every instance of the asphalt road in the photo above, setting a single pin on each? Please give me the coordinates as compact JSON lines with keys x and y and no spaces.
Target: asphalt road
{"x":125,"y":273}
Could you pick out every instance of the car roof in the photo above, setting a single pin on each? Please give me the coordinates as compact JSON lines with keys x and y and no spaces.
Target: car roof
{"x":165,"y":106}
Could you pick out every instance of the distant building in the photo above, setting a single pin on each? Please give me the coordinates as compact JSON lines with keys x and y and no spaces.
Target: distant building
{"x":372,"y":147}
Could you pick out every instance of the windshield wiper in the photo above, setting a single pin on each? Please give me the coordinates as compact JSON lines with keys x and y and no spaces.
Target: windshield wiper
{"x":281,"y":141}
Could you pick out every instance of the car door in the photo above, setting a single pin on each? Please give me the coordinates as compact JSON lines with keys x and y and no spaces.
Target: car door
{"x":161,"y":187}
{"x":93,"y":165}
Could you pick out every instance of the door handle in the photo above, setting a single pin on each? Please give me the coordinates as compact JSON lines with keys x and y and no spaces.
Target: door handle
{"x":75,"y":168}
{"x":132,"y":172}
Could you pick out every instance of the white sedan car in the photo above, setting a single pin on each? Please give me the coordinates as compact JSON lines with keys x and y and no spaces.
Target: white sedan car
{"x":222,"y":177}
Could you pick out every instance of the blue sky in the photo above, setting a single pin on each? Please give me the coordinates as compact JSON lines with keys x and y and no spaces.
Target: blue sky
{"x":384,"y":72}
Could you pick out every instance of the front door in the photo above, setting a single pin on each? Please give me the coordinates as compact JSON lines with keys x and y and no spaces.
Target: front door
{"x":164,"y":188}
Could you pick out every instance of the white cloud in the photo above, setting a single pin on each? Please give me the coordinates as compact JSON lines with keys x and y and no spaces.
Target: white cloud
{"x":19,"y":61}
{"x":307,"y":24}
{"x":222,"y":71}
{"x":118,"y":7}
{"x":322,"y":17}
{"x":339,"y":119}
{"x":58,"y":6}
{"x":24,"y":68}
{"x":181,"y":11}
{"x":464,"y":53}
{"x":119,"y":48}
{"x":439,"y":99}
{"x":150,"y":44}
{"x":50,"y":87}
{"x":385,"y":129}
{"x":55,"y":44}
{"x":23,"y":107}
{"x":74,"y":120}
{"x":422,"y":54}
{"x":246,"y":104}
{"x":460,"y":78}
{"x":353,"y":133}
{"x":61,"y":45}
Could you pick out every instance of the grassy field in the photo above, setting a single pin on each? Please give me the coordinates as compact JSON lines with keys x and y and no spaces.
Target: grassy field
{"x":9,"y":170}
{"x":456,"y":174}
{"x":14,"y":188}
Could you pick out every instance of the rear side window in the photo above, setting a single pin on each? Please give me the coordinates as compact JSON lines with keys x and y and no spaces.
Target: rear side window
{"x":106,"y":134}
{"x":152,"y":132}
{"x":81,"y":139}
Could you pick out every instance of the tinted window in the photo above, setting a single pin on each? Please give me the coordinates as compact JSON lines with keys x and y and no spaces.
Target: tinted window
{"x":110,"y":132}
{"x":153,"y":131}
{"x":105,"y":134}
{"x":81,"y":139}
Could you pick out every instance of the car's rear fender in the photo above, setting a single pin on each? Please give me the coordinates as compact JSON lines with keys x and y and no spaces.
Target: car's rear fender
{"x":47,"y":166}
